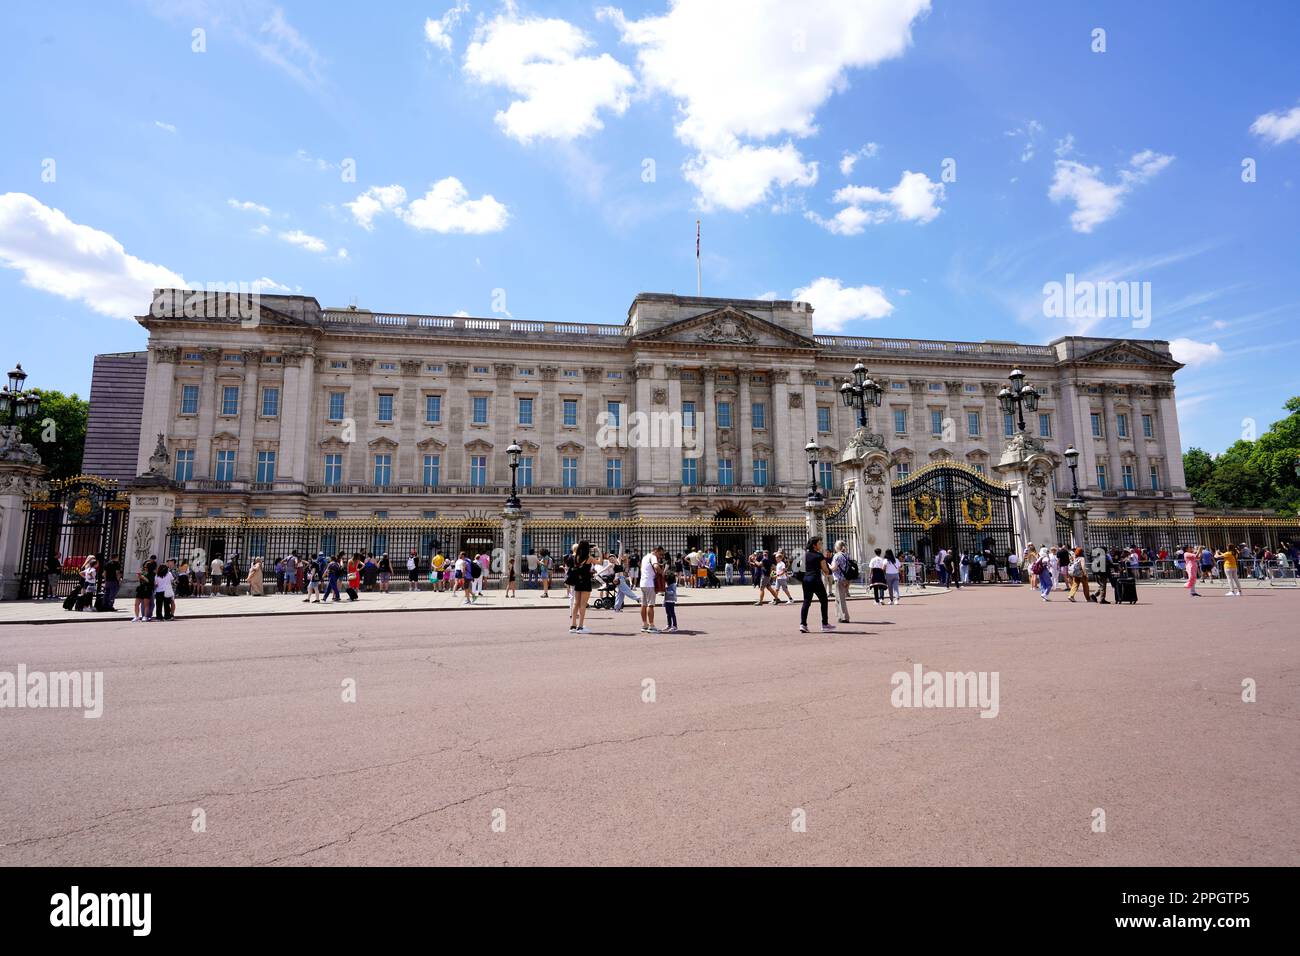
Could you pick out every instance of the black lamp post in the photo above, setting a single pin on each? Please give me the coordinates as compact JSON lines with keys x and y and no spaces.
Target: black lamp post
{"x":860,"y":392}
{"x":513,"y":453}
{"x":1018,"y":397}
{"x":1072,"y":459}
{"x":814,"y":493}
{"x":15,"y":403}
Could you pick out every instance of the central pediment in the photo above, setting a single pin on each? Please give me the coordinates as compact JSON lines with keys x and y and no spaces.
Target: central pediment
{"x":1128,"y":353}
{"x":726,"y":327}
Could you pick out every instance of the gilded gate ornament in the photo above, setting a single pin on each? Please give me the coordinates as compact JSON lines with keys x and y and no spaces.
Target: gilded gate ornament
{"x":924,"y":509}
{"x":976,"y":510}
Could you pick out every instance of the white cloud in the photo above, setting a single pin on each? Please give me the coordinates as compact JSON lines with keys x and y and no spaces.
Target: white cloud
{"x":835,"y":304}
{"x":541,"y":61}
{"x":166,"y":127}
{"x":248,"y":206}
{"x":299,"y":238}
{"x":738,"y":178}
{"x":1193,"y":353}
{"x":446,"y":207}
{"x":1029,"y":133}
{"x":438,"y":32}
{"x":262,"y":230}
{"x":373,"y":201}
{"x":914,"y":199}
{"x":1095,"y":200}
{"x":75,"y":261}
{"x":341,"y":254}
{"x":266,"y":284}
{"x":849,"y":160}
{"x":746,"y":71}
{"x":460,"y":314}
{"x":1278,"y":127}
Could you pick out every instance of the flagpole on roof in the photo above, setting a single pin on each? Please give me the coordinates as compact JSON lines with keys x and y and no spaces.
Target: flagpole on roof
{"x":698,"y":276}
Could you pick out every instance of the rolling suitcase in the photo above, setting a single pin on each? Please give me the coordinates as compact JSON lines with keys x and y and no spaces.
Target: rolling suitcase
{"x":352,"y":594}
{"x":1126,"y":591}
{"x":70,"y":601}
{"x":84,"y":601}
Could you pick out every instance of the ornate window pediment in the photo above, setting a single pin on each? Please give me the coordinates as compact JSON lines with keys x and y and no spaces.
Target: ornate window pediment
{"x":382,"y":442}
{"x":430,"y":443}
{"x":479,"y":445}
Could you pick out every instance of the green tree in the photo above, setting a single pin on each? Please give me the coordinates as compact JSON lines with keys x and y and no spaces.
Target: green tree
{"x":1251,"y":474}
{"x":58,"y":433}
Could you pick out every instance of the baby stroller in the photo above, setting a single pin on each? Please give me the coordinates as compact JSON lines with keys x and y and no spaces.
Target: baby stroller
{"x":603,"y":599}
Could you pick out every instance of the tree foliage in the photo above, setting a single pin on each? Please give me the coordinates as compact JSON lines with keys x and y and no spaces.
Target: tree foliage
{"x":1251,"y":474}
{"x":58,"y":433}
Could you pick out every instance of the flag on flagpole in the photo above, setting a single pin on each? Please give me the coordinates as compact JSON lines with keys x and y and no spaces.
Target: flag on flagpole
{"x":697,"y":258}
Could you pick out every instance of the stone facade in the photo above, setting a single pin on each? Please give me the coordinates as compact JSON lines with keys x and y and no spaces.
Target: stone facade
{"x":302,"y":411}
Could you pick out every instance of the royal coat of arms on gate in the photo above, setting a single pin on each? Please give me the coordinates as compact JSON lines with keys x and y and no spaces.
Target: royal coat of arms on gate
{"x":924,"y":509}
{"x":977,"y":510}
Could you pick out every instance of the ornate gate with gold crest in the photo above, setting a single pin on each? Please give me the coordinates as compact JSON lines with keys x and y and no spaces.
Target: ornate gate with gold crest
{"x":952,"y":506}
{"x":65,"y":523}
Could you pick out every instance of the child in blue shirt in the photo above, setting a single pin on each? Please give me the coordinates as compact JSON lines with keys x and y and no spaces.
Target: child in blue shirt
{"x":670,"y":601}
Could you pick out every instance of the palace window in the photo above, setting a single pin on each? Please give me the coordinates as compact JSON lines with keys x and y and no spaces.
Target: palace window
{"x":478,"y":470}
{"x":270,"y":402}
{"x":525,"y":411}
{"x":385,"y":407}
{"x":431,"y":469}
{"x":904,"y":470}
{"x":480,"y":410}
{"x":338,"y":364}
{"x":433,"y":369}
{"x":230,"y":400}
{"x":1044,"y":426}
{"x":336,"y":406}
{"x":569,"y":472}
{"x":1101,"y":477}
{"x":690,"y":471}
{"x":334,"y":469}
{"x":225,"y":470}
{"x":1126,"y":475}
{"x":1121,"y":425}
{"x":823,"y":418}
{"x":900,"y":421}
{"x":826,"y":475}
{"x":1148,"y":427}
{"x":936,"y":422}
{"x":525,"y":472}
{"x":724,"y":414}
{"x":570,"y":373}
{"x":1008,"y":425}
{"x":758,"y":411}
{"x":571,"y":412}
{"x":973,"y":424}
{"x":480,"y":369}
{"x":613,"y":374}
{"x":726,"y":474}
{"x":525,"y":372}
{"x":185,"y":465}
{"x":433,"y":409}
{"x":1095,"y":419}
{"x":192,"y":357}
{"x":388,"y":366}
{"x":612,"y":410}
{"x":383,"y":470}
{"x":1155,"y":477}
{"x":613,"y":473}
{"x":688,"y":414}
{"x":760,"y":472}
{"x":266,"y":466}
{"x":189,"y":399}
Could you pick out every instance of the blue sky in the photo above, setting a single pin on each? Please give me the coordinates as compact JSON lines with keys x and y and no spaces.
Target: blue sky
{"x":561,"y":153}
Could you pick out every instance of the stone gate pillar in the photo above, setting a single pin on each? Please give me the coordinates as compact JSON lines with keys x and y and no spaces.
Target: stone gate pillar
{"x":512,"y":539}
{"x":865,"y":463}
{"x":21,"y":475}
{"x":1027,"y":469}
{"x":153,"y":505}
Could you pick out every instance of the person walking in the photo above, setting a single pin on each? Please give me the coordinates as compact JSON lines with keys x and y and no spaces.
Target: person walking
{"x":763,"y":568}
{"x":1078,"y":575}
{"x":650,"y":569}
{"x":163,"y":594}
{"x":1191,"y":561}
{"x":892,"y":569}
{"x":255,"y":583}
{"x":816,"y":569}
{"x":111,"y":578}
{"x":840,"y":581}
{"x":579,"y":579}
{"x":313,"y":584}
{"x":1230,"y":568}
{"x":1042,"y":568}
{"x":879,"y":580}
{"x":144,"y":591}
{"x":781,"y":579}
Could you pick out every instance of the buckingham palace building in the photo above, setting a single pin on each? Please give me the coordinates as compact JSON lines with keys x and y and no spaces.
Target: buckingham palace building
{"x":690,"y":406}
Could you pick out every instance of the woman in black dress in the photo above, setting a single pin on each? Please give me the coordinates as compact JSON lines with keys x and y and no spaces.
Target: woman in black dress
{"x":579,"y":578}
{"x":816,"y":566}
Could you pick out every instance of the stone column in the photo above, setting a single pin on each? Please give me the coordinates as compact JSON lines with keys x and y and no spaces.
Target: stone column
{"x":550,"y":418}
{"x":21,"y":475}
{"x":669,"y":468}
{"x":409,"y":467}
{"x":209,"y":405}
{"x":1027,"y":470}
{"x":708,"y":441}
{"x":249,"y":410}
{"x":153,"y":506}
{"x":360,"y":468}
{"x":1171,"y":447}
{"x":643,"y":480}
{"x":512,"y":539}
{"x":780,"y":424}
{"x":293,"y":419}
{"x":1112,"y":440}
{"x":745,"y":421}
{"x":161,"y":404}
{"x":815,"y":518}
{"x":865,"y":465}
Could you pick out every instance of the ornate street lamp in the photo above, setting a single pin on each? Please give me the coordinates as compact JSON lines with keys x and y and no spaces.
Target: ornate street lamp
{"x":15,"y":403}
{"x":1019,"y":397}
{"x":1072,"y":459}
{"x":814,"y":493}
{"x":512,"y":454}
{"x":860,"y":392}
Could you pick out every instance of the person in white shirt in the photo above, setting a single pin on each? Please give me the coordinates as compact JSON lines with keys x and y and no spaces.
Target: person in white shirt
{"x":891,"y":577}
{"x":649,"y":566}
{"x":878,"y":579}
{"x":781,"y":580}
{"x":218,"y":572}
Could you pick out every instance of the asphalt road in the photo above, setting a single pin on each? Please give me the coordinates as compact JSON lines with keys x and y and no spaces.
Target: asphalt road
{"x":463,"y":719}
